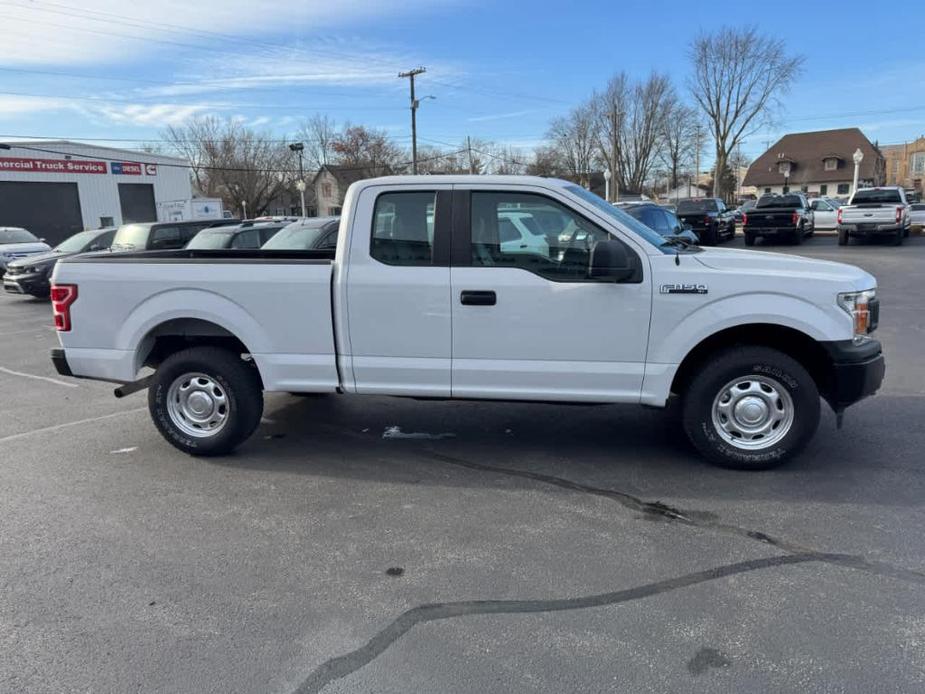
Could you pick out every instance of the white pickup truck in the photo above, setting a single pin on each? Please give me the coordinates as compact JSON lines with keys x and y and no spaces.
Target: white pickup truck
{"x":875,"y":212}
{"x":422,"y":300}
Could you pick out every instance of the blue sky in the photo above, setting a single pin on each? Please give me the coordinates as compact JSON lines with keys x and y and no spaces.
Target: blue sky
{"x":500,"y":71}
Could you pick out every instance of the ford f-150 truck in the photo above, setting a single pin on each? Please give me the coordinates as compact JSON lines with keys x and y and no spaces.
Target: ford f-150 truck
{"x":875,"y":212}
{"x":421,"y":300}
{"x":788,"y":217}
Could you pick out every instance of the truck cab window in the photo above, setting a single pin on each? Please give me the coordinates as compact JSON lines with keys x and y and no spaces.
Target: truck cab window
{"x":531,"y":232}
{"x":403,"y":228}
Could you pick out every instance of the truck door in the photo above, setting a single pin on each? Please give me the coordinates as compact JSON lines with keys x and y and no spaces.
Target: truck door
{"x":530,"y":324}
{"x":398,"y":291}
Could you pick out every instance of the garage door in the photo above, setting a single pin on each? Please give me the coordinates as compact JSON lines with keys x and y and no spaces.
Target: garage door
{"x":137,"y":200}
{"x":49,"y":210}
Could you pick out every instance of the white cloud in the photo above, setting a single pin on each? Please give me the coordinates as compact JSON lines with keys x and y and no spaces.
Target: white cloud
{"x":501,"y":116}
{"x":145,"y":115}
{"x":16,"y":106}
{"x":66,"y":32}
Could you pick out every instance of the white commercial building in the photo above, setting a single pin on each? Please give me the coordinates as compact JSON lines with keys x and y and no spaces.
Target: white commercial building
{"x":57,"y":188}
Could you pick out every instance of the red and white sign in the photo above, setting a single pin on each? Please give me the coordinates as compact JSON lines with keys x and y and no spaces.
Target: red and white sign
{"x":60,"y":166}
{"x":151,"y":169}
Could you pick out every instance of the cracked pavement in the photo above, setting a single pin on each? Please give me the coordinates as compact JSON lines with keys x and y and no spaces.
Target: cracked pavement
{"x":542,"y":548}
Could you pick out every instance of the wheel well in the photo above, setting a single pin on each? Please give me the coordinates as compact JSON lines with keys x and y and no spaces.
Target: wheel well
{"x":181,"y":333}
{"x":791,"y":342}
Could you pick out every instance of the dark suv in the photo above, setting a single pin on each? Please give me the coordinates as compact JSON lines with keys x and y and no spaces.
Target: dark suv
{"x":157,"y":236}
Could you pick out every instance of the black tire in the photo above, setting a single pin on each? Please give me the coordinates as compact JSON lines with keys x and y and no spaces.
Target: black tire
{"x":797,"y":237}
{"x":710,"y":235}
{"x":842,"y":237}
{"x":898,"y":238}
{"x":775,"y":369}
{"x":243,"y":398}
{"x":749,"y":239}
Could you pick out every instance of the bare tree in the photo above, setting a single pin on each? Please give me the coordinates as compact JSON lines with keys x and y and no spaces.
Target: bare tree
{"x":679,"y":141}
{"x":233,"y":162}
{"x":574,"y":138}
{"x":367,"y":149}
{"x":739,"y":76}
{"x":318,"y":133}
{"x":609,"y":108}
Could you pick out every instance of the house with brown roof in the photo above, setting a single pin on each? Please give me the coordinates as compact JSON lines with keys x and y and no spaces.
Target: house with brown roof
{"x":817,"y":163}
{"x":331,"y":183}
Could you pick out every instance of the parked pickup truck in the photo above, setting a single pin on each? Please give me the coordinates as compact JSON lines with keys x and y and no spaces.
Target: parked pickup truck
{"x":421,"y":300}
{"x":873,"y":212}
{"x":709,"y":218}
{"x":788,"y":217}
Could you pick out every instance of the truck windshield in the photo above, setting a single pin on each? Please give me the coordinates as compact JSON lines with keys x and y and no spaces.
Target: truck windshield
{"x":212,"y":238}
{"x":876,"y":195}
{"x":131,"y":236}
{"x":786,"y":201}
{"x":624,"y":220}
{"x":16,"y":236}
{"x":696,"y":206}
{"x":77,"y":242}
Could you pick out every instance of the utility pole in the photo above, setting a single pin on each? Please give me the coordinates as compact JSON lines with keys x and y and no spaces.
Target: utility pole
{"x":414,"y":107}
{"x":469,"y":147}
{"x":299,"y":148}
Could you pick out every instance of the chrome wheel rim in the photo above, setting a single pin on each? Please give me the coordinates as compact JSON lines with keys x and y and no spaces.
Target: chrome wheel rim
{"x":753,"y":412}
{"x":197,"y":405}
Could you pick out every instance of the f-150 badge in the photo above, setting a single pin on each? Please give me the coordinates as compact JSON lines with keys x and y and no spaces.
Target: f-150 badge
{"x":683,"y":289}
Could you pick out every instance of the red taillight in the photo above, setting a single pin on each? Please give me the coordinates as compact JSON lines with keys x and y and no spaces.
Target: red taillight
{"x":744,"y":219}
{"x":899,"y":215}
{"x":838,"y":216}
{"x":62,"y":296}
{"x":795,"y":218}
{"x":707,"y":221}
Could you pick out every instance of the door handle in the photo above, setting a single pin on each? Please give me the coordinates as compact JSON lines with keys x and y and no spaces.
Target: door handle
{"x":478,"y":298}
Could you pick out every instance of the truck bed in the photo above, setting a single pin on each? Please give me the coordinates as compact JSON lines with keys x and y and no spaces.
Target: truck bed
{"x":277,"y":303}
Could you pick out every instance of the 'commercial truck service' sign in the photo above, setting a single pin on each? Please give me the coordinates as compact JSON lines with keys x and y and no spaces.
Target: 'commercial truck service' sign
{"x":64,"y":166}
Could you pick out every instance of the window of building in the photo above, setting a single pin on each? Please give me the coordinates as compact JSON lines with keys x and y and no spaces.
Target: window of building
{"x":403,"y":225}
{"x":917,"y":163}
{"x":327,"y":190}
{"x":334,"y":211}
{"x":843,"y":188}
{"x":106,"y":222}
{"x":783,"y":168}
{"x":531,"y":232}
{"x":831,"y":164}
{"x":767,"y":190}
{"x":804,"y":189}
{"x":895,"y":167}
{"x":786,"y":189}
{"x":823,"y":189}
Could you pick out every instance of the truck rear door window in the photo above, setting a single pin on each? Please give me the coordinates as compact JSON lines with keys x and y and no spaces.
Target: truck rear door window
{"x":696,"y":206}
{"x":876,"y":196}
{"x":403,"y":228}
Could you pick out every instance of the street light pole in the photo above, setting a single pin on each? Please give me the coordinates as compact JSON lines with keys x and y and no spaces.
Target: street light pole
{"x":299,"y":148}
{"x":858,"y":157}
{"x":607,"y":176}
{"x":244,"y":209}
{"x":414,"y":107}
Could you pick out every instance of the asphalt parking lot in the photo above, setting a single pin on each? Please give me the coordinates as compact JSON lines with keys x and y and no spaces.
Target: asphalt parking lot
{"x":539,"y":548}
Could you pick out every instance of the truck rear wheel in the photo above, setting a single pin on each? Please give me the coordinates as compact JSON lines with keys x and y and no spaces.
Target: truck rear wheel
{"x":749,"y":239}
{"x":205,"y":400}
{"x":751,"y":408}
{"x":842,"y":237}
{"x":898,"y":239}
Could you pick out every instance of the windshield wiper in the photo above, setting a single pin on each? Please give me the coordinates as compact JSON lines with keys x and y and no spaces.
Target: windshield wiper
{"x":677,"y":241}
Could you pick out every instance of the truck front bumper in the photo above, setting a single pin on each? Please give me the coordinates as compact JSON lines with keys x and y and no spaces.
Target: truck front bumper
{"x":857,"y":371}
{"x":35,"y":283}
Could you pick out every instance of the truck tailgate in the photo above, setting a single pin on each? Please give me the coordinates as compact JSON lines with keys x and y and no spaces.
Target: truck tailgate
{"x":770,"y":218}
{"x":279,"y":309}
{"x":869,"y":214}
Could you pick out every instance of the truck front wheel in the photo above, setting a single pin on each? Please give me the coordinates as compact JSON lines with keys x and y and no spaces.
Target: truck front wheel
{"x":751,"y":408}
{"x":205,"y":400}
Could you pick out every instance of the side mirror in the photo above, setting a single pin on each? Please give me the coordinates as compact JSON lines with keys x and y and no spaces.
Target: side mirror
{"x":42,"y":240}
{"x":610,"y":261}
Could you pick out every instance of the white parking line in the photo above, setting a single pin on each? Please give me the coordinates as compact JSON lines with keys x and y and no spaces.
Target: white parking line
{"x":56,"y":427}
{"x":37,"y":378}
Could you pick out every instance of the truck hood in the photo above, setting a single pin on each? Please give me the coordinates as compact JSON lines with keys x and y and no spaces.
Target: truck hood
{"x":786,"y":265}
{"x":39,"y":259}
{"x":9,"y":249}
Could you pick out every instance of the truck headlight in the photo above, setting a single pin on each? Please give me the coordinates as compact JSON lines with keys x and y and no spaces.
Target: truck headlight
{"x":857,"y":305}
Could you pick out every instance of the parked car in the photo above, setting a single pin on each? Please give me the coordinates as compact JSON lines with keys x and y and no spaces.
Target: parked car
{"x":216,"y":238}
{"x":875,"y":212}
{"x":32,"y":274}
{"x":16,"y":242}
{"x":786,"y":217}
{"x":824,"y":213}
{"x":744,"y":209}
{"x":748,"y":341}
{"x":709,"y":218}
{"x":520,"y":233}
{"x":661,"y":220}
{"x":917,"y":214}
{"x":309,"y":234}
{"x":156,"y":236}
